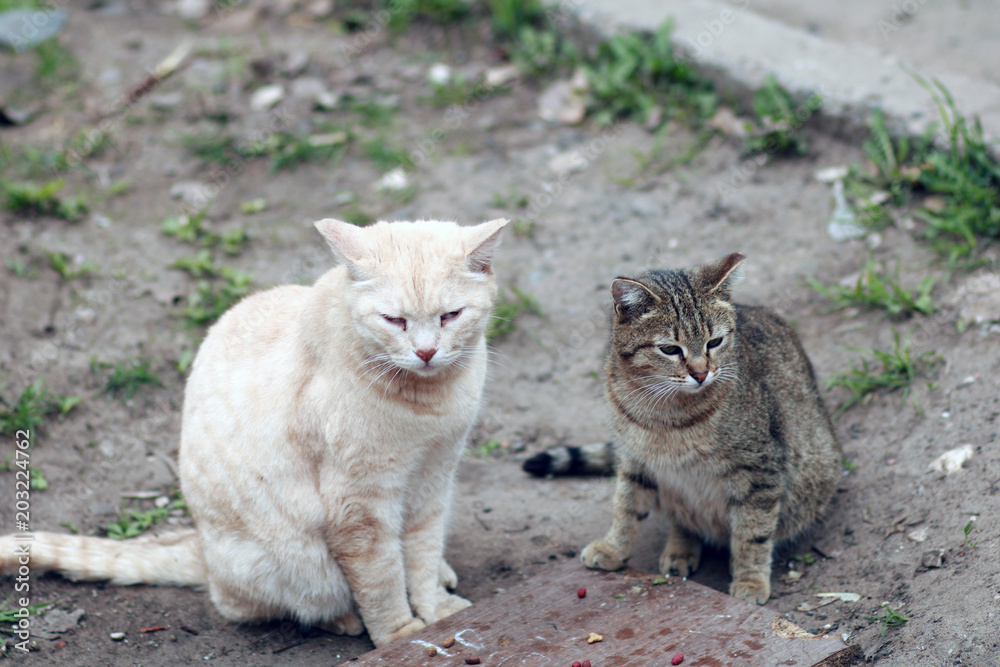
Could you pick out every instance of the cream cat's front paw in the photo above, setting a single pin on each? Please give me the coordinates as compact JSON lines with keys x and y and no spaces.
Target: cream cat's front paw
{"x":413,"y":625}
{"x":446,"y":605}
{"x":450,"y":605}
{"x":349,"y":624}
{"x":447,"y":576}
{"x":600,"y":555}
{"x":752,"y":590}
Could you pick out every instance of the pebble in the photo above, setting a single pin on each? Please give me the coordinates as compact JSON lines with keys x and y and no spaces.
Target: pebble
{"x":117,"y":636}
{"x":266,"y":97}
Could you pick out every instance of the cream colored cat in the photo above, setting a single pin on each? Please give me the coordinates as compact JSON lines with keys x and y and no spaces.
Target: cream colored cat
{"x":321,"y":432}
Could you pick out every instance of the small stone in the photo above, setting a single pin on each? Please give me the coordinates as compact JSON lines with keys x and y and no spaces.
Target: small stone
{"x":266,"y":97}
{"x":393,"y":180}
{"x":565,"y":101}
{"x":952,"y":460}
{"x":162,"y":501}
{"x":439,"y":74}
{"x":498,"y":76}
{"x":432,"y":651}
{"x":448,"y":642}
{"x":167,"y":101}
{"x":117,"y":636}
{"x":192,"y":10}
{"x":933,"y":558}
{"x":473,"y":660}
{"x":593,"y":638}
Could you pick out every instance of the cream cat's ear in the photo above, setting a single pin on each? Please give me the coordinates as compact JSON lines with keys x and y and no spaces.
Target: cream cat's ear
{"x":481,"y":242}
{"x":346,"y":241}
{"x":632,"y":298}
{"x":720,"y":277}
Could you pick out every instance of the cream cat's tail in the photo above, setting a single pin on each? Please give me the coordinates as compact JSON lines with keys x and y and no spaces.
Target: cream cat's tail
{"x":169,"y":560}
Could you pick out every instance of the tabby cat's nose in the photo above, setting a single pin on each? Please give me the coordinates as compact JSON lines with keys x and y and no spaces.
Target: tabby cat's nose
{"x":426,"y":355}
{"x":700,"y":377}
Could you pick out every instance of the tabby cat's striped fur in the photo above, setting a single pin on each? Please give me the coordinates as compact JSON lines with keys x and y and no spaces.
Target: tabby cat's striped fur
{"x":719,"y":426}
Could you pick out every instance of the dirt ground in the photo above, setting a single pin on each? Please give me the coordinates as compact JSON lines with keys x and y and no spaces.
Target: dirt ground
{"x":895,"y":533}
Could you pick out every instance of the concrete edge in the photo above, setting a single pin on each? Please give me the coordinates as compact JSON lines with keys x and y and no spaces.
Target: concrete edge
{"x":737,"y":50}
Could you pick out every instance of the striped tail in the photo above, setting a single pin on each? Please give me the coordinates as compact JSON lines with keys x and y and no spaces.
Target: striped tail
{"x":594,"y":459}
{"x":169,"y":560}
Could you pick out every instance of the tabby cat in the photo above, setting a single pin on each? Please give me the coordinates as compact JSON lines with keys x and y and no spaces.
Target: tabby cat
{"x":718,"y":424}
{"x":322,"y":429}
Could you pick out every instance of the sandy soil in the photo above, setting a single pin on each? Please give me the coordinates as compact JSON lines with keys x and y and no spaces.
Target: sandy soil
{"x":607,"y":219}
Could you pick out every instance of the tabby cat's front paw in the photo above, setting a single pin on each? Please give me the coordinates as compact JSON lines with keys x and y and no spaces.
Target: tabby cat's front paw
{"x":681,"y":563}
{"x":751,"y":590}
{"x":413,"y":625}
{"x":600,"y":556}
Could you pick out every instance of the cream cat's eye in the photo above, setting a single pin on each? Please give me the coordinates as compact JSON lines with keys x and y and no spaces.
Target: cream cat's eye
{"x":450,"y":316}
{"x":398,"y":321}
{"x":670,"y":350}
{"x":715,"y":342}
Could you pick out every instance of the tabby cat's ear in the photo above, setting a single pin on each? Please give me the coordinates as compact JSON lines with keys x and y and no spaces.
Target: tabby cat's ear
{"x":347,"y":242}
{"x":720,"y":277}
{"x":481,"y":242}
{"x":632,"y":298}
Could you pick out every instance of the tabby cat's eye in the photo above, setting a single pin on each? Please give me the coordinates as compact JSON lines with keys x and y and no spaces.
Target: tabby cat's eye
{"x":670,"y":350}
{"x":450,"y":316}
{"x":715,"y":342}
{"x":398,"y":321}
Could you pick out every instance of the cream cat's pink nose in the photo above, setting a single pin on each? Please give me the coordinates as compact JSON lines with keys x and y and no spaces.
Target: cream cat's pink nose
{"x":426,"y":355}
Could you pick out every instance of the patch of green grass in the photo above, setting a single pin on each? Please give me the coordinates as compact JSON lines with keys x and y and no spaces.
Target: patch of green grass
{"x":456,"y":91}
{"x":288,"y":150}
{"x":126,"y":378}
{"x":889,"y":618}
{"x":539,"y":52}
{"x":38,"y":481}
{"x":778,"y":121}
{"x":523,"y":227}
{"x":966,"y":532}
{"x":633,"y":74}
{"x":874,"y":289}
{"x":967,"y":175}
{"x":880,"y":370}
{"x":192,"y":229}
{"x":202,"y":265}
{"x":32,"y":406}
{"x":67,"y":268}
{"x":807,"y":558}
{"x":405,"y":12}
{"x":383,"y":154}
{"x":55,"y":64}
{"x":371,"y":113}
{"x":356,"y":215}
{"x":210,"y":300}
{"x":17,"y":267}
{"x":10,"y":617}
{"x":849,"y":465}
{"x":512,"y":199}
{"x":44,"y":199}
{"x":133,"y":522}
{"x":507,"y":311}
{"x":252,"y":206}
{"x":485,"y":449}
{"x":509,"y":17}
